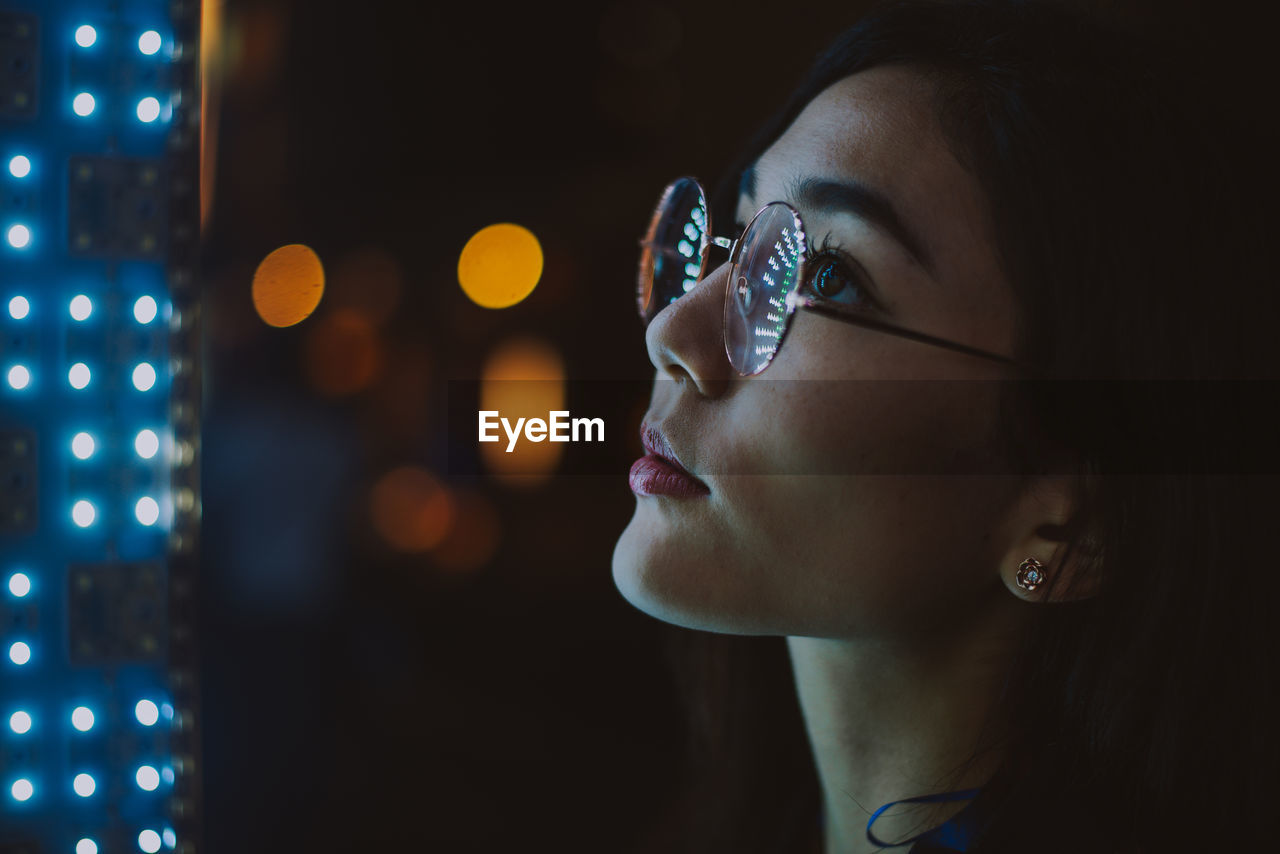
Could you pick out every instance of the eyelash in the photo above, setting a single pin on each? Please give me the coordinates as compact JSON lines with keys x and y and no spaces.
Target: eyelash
{"x":830,"y":250}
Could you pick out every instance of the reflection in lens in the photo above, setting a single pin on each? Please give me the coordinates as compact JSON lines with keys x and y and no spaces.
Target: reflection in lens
{"x":671,"y":258}
{"x":766,"y":267}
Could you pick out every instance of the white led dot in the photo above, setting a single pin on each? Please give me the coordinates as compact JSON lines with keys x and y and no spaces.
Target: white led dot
{"x":22,"y":789}
{"x":146,"y":712}
{"x":78,"y":376}
{"x":146,"y":444}
{"x":19,"y":376}
{"x":144,"y":377}
{"x":148,"y":778}
{"x":147,"y":510}
{"x":19,"y":653}
{"x":149,"y":42}
{"x":86,"y":846}
{"x":20,"y":166}
{"x":86,"y":36}
{"x":19,"y":307}
{"x":83,"y":104}
{"x":148,"y":110}
{"x":82,"y":718}
{"x":84,"y":785}
{"x":19,"y":236}
{"x":20,"y":722}
{"x":19,"y":584}
{"x":82,"y":446}
{"x":144,"y":310}
{"x":82,"y":513}
{"x":149,"y":841}
{"x":81,"y":307}
{"x":170,"y":838}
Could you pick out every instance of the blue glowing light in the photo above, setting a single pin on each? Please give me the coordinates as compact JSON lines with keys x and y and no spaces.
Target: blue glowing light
{"x":148,"y":110}
{"x":84,"y":785}
{"x":19,"y":653}
{"x":19,"y":236}
{"x":81,"y":307}
{"x":78,"y":376}
{"x":20,"y":166}
{"x":83,"y":104}
{"x":19,"y":377}
{"x":19,"y":307}
{"x":20,"y":722}
{"x":86,"y":36}
{"x":83,"y":513}
{"x":148,"y":778}
{"x":146,"y":444}
{"x":22,"y":790}
{"x":82,"y":445}
{"x":144,"y":377}
{"x":149,"y":42}
{"x":82,"y":718}
{"x":145,"y":309}
{"x":19,"y":584}
{"x":146,"y":712}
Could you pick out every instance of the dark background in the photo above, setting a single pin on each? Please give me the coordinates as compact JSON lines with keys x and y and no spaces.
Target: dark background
{"x":359,"y":697}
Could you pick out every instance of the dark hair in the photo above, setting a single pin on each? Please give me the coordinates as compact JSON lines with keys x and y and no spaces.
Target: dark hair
{"x":1144,"y":714}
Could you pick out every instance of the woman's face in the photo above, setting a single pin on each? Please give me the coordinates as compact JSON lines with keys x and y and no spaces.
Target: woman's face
{"x":846,"y":497}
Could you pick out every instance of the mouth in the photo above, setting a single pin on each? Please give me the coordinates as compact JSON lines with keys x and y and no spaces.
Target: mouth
{"x":660,"y":472}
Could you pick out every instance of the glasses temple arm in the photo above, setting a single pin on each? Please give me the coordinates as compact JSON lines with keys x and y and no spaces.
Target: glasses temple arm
{"x":907,"y":333}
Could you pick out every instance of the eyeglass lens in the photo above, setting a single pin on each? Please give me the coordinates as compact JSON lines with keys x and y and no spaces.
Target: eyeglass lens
{"x":671,"y":258}
{"x":764,"y":268}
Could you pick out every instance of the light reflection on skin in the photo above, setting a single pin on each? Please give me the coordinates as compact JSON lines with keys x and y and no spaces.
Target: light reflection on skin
{"x":896,"y":592}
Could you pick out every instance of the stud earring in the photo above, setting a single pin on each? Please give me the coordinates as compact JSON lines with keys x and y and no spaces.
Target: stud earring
{"x":1030,"y":574}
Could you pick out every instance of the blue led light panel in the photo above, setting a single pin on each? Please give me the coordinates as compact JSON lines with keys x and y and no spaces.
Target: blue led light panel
{"x":99,"y":425}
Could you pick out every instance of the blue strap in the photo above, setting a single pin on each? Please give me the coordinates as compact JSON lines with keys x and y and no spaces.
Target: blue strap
{"x":956,"y":835}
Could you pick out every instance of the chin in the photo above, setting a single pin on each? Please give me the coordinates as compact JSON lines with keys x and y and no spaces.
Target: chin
{"x":678,"y":581}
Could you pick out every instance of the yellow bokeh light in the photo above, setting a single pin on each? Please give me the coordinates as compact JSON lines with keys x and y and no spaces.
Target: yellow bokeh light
{"x":288,"y":284}
{"x":500,"y":265}
{"x":523,"y":378}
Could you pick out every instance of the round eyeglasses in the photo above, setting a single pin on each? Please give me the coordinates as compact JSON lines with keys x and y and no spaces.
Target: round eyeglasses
{"x":768,"y":276}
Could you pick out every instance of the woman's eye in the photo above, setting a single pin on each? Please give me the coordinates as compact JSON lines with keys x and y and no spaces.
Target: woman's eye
{"x":832,"y":280}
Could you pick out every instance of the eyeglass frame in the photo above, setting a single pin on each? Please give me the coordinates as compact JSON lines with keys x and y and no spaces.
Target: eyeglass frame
{"x":794,"y":298}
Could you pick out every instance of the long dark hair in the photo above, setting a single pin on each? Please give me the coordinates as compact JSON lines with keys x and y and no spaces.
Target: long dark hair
{"x":1143,"y":715}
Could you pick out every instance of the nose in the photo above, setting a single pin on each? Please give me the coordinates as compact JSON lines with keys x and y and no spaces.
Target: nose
{"x":686,"y":339}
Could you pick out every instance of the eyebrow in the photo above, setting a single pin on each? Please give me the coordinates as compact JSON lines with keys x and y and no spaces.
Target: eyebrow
{"x":856,"y":199}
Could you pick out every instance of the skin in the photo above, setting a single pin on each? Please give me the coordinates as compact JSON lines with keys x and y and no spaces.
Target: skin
{"x":895,"y":592}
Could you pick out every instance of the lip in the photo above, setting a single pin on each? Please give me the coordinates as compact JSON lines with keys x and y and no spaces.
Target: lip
{"x":659,"y":472}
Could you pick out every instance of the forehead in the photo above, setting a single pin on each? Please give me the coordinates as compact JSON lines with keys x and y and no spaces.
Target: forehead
{"x":879,"y":127}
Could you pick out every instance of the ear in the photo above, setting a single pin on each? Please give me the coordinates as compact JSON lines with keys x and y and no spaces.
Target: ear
{"x":1041,"y":522}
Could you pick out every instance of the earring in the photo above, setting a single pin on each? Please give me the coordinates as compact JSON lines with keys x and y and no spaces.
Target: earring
{"x":1030,"y":574}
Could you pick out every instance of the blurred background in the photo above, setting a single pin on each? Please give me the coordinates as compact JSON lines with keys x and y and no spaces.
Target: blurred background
{"x":394,"y":655}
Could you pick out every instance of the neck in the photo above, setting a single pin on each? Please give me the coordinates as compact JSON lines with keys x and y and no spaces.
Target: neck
{"x":889,"y":720}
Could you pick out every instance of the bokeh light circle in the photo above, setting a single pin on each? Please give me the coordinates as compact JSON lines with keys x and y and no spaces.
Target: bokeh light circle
{"x":411,"y":509}
{"x":500,"y":265}
{"x":288,"y":284}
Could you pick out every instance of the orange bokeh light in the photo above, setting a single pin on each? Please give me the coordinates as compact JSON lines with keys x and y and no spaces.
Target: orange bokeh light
{"x":343,"y":353}
{"x":523,"y":378}
{"x":500,"y":265}
{"x":411,"y":509}
{"x":288,"y":284}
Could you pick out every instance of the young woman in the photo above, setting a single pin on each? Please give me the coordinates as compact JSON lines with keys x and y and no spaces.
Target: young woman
{"x":957,"y":417}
